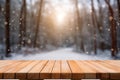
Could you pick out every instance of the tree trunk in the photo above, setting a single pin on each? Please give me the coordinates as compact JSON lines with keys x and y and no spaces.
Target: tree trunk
{"x":38,"y":24}
{"x":32,"y":25}
{"x":118,"y":2}
{"x":7,"y":28}
{"x":22,"y":28}
{"x":24,"y":22}
{"x":0,"y":8}
{"x":94,"y":28}
{"x":100,"y":16}
{"x":79,"y":27}
{"x":102,"y":44}
{"x":113,"y":30}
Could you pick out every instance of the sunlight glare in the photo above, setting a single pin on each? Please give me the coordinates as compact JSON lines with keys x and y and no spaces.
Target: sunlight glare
{"x":60,"y":17}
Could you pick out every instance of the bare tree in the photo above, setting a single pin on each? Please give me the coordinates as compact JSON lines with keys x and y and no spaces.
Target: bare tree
{"x":38,"y":24}
{"x":79,"y":22}
{"x":113,"y":29}
{"x":21,"y":26}
{"x":22,"y":22}
{"x":94,"y":28}
{"x":118,"y":2}
{"x":100,"y":16}
{"x":7,"y":28}
{"x":0,"y":7}
{"x":32,"y":22}
{"x":102,"y":44}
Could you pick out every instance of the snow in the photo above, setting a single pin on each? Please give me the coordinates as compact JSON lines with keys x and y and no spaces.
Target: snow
{"x":61,"y":54}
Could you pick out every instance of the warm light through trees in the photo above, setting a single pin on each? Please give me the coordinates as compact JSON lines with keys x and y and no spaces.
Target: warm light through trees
{"x":86,"y":25}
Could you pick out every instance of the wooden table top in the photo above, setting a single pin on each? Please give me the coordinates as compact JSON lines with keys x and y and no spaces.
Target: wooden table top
{"x":58,"y":69}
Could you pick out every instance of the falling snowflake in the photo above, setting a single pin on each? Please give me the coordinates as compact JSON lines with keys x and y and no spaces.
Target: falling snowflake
{"x":110,"y":18}
{"x":29,"y":41}
{"x":112,"y":49}
{"x":101,"y":28}
{"x":5,"y":23}
{"x":108,"y":29}
{"x":88,"y":24}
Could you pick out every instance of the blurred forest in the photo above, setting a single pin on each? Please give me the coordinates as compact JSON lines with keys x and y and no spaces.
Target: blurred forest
{"x":86,"y":25}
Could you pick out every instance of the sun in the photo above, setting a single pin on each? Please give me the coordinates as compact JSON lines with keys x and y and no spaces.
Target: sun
{"x":60,"y":17}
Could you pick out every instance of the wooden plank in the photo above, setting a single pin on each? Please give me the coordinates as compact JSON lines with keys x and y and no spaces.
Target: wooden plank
{"x":7,"y":67}
{"x":34,"y":73}
{"x":77,"y":73}
{"x":72,"y":69}
{"x":116,"y":74}
{"x":46,"y":72}
{"x":90,"y":73}
{"x":56,"y":70}
{"x":8,"y":62}
{"x":103,"y":72}
{"x":22,"y":73}
{"x":4,"y":63}
{"x":10,"y":74}
{"x":111,"y":65}
{"x":113,"y":62}
{"x":65,"y":70}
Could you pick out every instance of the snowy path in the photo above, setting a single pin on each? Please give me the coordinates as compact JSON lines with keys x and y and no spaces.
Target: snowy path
{"x":61,"y":54}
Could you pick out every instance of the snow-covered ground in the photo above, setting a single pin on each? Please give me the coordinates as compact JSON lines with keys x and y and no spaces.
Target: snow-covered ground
{"x":62,"y":54}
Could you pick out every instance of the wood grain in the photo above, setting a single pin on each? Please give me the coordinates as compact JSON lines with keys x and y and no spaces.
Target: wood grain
{"x":11,"y":73}
{"x":46,"y":71}
{"x":56,"y":70}
{"x":22,"y":73}
{"x":34,"y":73}
{"x":77,"y":72}
{"x":65,"y":70}
{"x":61,"y":69}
